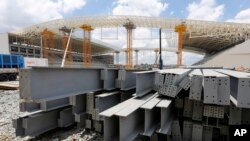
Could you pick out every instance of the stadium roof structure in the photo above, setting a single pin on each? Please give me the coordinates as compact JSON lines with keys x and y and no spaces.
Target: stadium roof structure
{"x":202,"y":36}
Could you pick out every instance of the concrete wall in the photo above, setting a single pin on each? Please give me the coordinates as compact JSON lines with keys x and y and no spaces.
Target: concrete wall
{"x":4,"y":43}
{"x":236,"y":56}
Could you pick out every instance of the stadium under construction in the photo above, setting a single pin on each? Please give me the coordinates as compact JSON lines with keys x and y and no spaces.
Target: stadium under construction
{"x":85,"y":83}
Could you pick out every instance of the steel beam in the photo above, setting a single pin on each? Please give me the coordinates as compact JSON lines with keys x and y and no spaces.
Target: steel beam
{"x":235,"y":115}
{"x":131,"y":125}
{"x":210,"y":85}
{"x":44,"y":84}
{"x":197,"y":110}
{"x":197,"y":132}
{"x":127,"y":79}
{"x":109,"y":77}
{"x":187,"y":130}
{"x":111,"y":128}
{"x":37,"y":123}
{"x":144,"y":82}
{"x":188,"y":108}
{"x":207,"y":133}
{"x":54,"y":104}
{"x":166,"y":116}
{"x":111,"y":111}
{"x":195,"y":92}
{"x":80,"y":119}
{"x":239,"y":87}
{"x":90,"y":103}
{"x":176,"y":131}
{"x":66,"y":118}
{"x":107,"y":100}
{"x":78,"y":103}
{"x":152,"y":116}
{"x":29,"y":106}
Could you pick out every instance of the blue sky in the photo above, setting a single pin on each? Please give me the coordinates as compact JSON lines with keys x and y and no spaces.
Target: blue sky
{"x":176,"y":8}
{"x":17,"y":14}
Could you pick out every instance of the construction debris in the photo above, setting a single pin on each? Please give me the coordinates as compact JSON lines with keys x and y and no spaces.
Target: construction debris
{"x":9,"y":85}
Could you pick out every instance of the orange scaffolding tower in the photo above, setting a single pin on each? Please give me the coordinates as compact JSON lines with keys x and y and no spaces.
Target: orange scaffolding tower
{"x":48,"y":44}
{"x":180,"y":29}
{"x":87,"y":57}
{"x":129,"y":51}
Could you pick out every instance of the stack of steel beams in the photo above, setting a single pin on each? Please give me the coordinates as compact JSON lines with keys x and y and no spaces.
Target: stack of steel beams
{"x":65,"y":96}
{"x":173,"y":104}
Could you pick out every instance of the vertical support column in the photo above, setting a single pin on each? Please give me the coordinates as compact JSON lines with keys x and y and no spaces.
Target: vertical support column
{"x":156,"y":56}
{"x":117,"y":61}
{"x":180,"y":29}
{"x":160,"y":52}
{"x":64,"y":42}
{"x":129,"y":51}
{"x":87,"y":57}
{"x":45,"y":46}
{"x":52,"y":53}
{"x":136,"y":57}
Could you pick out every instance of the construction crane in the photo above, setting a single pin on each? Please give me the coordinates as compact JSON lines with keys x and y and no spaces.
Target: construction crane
{"x":180,"y":29}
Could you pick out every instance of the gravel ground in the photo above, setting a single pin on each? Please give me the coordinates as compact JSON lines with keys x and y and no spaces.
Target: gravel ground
{"x":9,"y":110}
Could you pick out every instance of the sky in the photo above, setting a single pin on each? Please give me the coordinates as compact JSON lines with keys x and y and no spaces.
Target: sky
{"x":16,"y":14}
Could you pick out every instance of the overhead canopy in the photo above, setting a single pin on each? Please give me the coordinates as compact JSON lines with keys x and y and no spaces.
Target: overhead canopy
{"x":203,"y":36}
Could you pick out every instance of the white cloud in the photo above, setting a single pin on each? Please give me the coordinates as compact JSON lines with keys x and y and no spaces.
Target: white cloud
{"x":171,"y":13}
{"x":139,"y":7}
{"x":19,"y":13}
{"x":242,"y":17}
{"x":205,"y":10}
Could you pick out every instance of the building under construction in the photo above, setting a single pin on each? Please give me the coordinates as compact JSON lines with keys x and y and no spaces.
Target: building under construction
{"x":86,"y":85}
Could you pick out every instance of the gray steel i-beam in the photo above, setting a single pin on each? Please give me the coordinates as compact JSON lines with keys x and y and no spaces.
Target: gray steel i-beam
{"x":166,"y":116}
{"x":44,"y":84}
{"x":216,"y":88}
{"x":66,"y":118}
{"x":197,"y":132}
{"x":127,"y":79}
{"x":54,"y":104}
{"x":78,"y":103}
{"x":109,"y":77}
{"x":131,"y":126}
{"x":144,"y":82}
{"x":28,"y":106}
{"x":152,"y":116}
{"x":36,"y":123}
{"x":239,"y":87}
{"x":111,"y":128}
{"x":195,"y":92}
{"x":187,"y":130}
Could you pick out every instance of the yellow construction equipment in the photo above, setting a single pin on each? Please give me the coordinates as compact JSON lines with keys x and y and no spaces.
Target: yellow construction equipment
{"x":180,"y":29}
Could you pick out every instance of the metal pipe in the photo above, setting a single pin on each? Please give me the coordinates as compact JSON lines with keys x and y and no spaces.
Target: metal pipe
{"x":65,"y":52}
